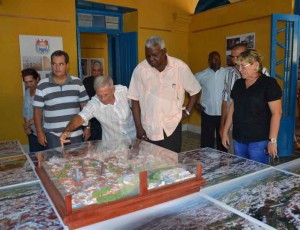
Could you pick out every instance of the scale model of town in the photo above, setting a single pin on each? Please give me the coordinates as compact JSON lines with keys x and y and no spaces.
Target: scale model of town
{"x":94,"y":173}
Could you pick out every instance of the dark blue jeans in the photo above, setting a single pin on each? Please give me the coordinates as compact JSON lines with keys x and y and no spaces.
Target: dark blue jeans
{"x":54,"y":142}
{"x":254,"y":151}
{"x":34,"y":145}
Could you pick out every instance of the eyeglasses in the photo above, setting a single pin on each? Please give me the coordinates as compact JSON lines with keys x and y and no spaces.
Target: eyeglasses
{"x":242,"y":66}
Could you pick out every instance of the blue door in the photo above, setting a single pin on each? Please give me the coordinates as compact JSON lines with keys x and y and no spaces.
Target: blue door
{"x":284,"y":67}
{"x":122,"y":55}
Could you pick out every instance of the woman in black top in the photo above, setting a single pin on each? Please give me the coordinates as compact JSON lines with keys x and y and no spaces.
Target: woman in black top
{"x":255,"y":111}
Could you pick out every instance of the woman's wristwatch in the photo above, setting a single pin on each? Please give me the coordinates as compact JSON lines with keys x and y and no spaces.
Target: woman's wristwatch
{"x":273,"y":140}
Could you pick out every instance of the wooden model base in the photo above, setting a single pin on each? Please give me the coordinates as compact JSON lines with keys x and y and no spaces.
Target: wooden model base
{"x":79,"y":217}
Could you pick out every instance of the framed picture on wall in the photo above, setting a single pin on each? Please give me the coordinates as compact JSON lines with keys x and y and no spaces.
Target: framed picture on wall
{"x":100,"y":61}
{"x":247,"y":39}
{"x":36,"y":50}
{"x":85,"y":67}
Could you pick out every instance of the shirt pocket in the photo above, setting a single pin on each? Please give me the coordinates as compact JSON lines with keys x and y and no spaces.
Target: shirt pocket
{"x":173,"y":106}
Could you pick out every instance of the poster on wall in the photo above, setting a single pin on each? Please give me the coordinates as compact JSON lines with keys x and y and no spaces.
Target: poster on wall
{"x":247,"y":39}
{"x":36,"y":51}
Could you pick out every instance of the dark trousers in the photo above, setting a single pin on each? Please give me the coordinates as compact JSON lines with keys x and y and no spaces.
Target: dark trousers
{"x":172,"y":142}
{"x":54,"y":142}
{"x":209,"y":129}
{"x":34,"y":145}
{"x":96,"y":130}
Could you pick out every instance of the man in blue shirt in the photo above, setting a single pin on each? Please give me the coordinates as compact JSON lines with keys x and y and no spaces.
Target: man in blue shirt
{"x":212,"y":83}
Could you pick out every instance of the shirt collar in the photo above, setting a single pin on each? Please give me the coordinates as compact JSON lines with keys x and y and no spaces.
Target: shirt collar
{"x":69,"y":79}
{"x":215,"y":71}
{"x":116,"y":100}
{"x":170,"y":63}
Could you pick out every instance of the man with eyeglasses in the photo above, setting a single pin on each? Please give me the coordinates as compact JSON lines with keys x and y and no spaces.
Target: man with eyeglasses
{"x":88,"y":82}
{"x":232,"y":75}
{"x":212,"y":83}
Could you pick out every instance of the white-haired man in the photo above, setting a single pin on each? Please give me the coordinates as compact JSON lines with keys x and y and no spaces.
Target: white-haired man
{"x":110,"y":107}
{"x":157,"y":90}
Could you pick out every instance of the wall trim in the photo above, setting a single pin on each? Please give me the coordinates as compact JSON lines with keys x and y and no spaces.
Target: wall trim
{"x":231,"y":23}
{"x":157,"y":29}
{"x":34,"y":18}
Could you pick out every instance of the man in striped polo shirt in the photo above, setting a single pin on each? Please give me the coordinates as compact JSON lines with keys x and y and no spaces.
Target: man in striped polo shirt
{"x":232,"y":75}
{"x":57,"y":99}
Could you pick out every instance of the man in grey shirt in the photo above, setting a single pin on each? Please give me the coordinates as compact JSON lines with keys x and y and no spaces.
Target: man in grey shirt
{"x":57,"y":99}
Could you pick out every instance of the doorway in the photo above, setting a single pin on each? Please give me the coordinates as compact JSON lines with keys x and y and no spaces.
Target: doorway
{"x":284,"y":67}
{"x":101,"y":37}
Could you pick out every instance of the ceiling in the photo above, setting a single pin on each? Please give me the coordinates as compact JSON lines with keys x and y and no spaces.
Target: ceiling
{"x":204,"y":5}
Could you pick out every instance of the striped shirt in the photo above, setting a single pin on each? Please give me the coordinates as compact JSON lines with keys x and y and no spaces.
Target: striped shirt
{"x":116,"y":120}
{"x":232,"y":75}
{"x":59,"y":103}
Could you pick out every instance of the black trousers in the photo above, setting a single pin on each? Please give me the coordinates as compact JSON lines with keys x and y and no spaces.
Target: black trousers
{"x":96,"y":130}
{"x":209,"y":130}
{"x":172,"y":142}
